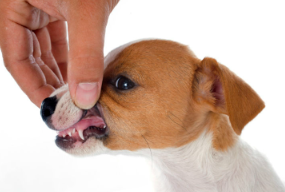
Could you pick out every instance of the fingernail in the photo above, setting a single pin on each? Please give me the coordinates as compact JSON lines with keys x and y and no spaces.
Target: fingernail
{"x":86,"y":95}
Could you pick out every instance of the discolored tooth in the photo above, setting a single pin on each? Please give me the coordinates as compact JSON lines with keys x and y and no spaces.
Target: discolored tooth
{"x":69,"y":134}
{"x":80,"y":133}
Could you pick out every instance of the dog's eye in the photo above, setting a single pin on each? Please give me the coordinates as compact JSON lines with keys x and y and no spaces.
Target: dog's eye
{"x":123,"y":83}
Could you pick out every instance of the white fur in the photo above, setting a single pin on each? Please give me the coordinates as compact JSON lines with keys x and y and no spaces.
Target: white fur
{"x":66,"y":113}
{"x":198,"y":167}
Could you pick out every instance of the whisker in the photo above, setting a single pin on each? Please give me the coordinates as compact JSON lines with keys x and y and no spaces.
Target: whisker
{"x":149,"y":148}
{"x":169,"y":114}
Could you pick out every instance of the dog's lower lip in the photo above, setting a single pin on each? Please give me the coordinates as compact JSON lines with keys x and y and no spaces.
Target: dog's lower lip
{"x":65,"y":143}
{"x":68,"y":142}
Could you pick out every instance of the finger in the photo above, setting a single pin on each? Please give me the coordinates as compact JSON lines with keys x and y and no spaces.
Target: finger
{"x":51,"y":78}
{"x":85,"y":68}
{"x":25,"y":14}
{"x":57,"y":31}
{"x":44,"y":45}
{"x":18,"y":57}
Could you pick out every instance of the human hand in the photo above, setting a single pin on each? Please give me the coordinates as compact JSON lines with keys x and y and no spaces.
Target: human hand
{"x":35,"y":49}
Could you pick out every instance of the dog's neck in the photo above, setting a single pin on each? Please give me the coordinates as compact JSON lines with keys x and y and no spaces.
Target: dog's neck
{"x":187,"y":168}
{"x":199,"y":167}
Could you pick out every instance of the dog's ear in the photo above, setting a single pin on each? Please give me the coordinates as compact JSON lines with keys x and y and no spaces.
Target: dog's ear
{"x":218,"y":87}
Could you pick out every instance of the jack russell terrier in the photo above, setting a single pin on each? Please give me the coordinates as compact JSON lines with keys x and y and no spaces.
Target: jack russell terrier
{"x":160,"y":101}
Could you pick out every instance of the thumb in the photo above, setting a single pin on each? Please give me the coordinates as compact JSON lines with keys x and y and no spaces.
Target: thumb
{"x":86,"y":27}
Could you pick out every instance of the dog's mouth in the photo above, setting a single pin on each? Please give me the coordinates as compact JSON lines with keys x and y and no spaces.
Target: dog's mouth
{"x":91,"y":124}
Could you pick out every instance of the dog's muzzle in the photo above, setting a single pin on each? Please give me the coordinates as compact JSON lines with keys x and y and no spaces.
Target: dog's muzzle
{"x":90,"y":124}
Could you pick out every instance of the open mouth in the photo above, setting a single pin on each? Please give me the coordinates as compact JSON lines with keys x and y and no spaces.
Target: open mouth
{"x":91,"y":124}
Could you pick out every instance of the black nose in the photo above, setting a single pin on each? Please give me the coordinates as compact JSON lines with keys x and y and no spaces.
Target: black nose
{"x":48,"y":107}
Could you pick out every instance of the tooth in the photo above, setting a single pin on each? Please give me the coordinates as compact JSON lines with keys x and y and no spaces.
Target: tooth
{"x":80,"y":133}
{"x":69,"y":134}
{"x":73,"y":131}
{"x":63,"y":135}
{"x":104,"y":127}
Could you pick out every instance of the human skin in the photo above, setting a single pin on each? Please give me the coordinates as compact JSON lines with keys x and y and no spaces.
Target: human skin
{"x":36,"y":52}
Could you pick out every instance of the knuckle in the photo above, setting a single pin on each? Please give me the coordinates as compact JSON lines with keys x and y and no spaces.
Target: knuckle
{"x":31,"y":19}
{"x":34,"y":12}
{"x":24,"y":14}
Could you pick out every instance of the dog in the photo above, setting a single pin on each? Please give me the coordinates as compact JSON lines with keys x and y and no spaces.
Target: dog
{"x":160,"y":101}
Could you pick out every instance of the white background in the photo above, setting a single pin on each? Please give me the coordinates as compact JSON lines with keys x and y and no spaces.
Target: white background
{"x":247,"y":36}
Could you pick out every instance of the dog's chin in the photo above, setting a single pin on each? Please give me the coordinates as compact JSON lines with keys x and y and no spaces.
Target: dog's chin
{"x":85,"y":135}
{"x":92,"y":146}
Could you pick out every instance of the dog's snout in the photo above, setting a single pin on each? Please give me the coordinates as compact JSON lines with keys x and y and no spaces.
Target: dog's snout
{"x":48,"y":107}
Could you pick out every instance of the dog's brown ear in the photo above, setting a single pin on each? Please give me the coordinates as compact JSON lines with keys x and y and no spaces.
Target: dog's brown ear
{"x":226,"y":93}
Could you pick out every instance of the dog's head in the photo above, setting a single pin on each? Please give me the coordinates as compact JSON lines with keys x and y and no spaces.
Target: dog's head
{"x":155,"y":94}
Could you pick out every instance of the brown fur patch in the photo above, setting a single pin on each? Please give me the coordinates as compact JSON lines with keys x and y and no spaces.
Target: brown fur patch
{"x":223,"y":134}
{"x":172,"y":102}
